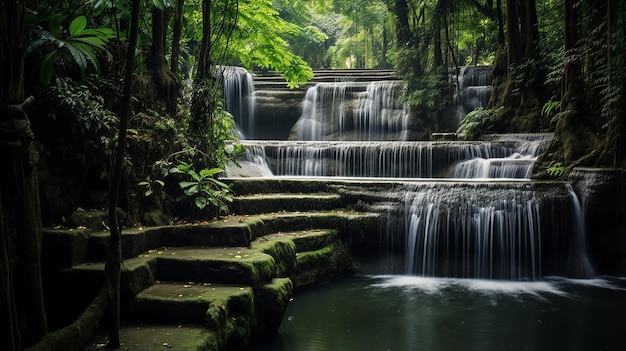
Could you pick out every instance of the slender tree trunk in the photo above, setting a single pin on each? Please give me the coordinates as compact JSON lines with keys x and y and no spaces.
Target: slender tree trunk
{"x":176,"y":34}
{"x":168,"y":85}
{"x":114,"y":256}
{"x":512,"y":26}
{"x":500,"y":22}
{"x":438,"y":56}
{"x":204,"y":56}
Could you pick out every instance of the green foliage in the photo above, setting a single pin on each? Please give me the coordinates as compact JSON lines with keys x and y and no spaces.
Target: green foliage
{"x":478,"y":122}
{"x":74,"y":45}
{"x":260,"y":40}
{"x":152,"y":186}
{"x":549,"y":108}
{"x":85,"y":129}
{"x":555,"y":169}
{"x":203,"y":187}
{"x":210,"y":125}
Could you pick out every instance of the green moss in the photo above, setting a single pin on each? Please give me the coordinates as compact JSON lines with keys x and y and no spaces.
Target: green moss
{"x":282,"y":250}
{"x":271,"y":303}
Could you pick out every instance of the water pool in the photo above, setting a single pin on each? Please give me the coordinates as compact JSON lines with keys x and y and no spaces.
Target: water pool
{"x":393,"y":312}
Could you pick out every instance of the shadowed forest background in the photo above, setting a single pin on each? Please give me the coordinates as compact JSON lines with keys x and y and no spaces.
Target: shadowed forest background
{"x":118,"y":105}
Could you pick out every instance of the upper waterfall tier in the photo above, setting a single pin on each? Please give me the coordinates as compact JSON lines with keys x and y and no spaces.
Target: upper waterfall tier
{"x":278,"y":108}
{"x":353,"y":111}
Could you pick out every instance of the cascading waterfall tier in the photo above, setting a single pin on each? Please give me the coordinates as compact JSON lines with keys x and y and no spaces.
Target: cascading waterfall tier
{"x":518,"y":165}
{"x":239,"y":98}
{"x":473,"y":89}
{"x":514,"y":230}
{"x":498,"y":158}
{"x":353,"y":111}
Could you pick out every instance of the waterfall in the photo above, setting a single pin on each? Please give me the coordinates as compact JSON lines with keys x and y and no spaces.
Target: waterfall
{"x":473,"y":231}
{"x":518,"y":165}
{"x":579,"y":261}
{"x":510,"y":156}
{"x":473,"y":89}
{"x":239,"y":98}
{"x":425,"y":159}
{"x":353,"y":111}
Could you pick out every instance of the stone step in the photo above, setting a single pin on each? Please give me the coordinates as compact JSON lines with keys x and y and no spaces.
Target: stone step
{"x":285,"y":246}
{"x":304,"y":240}
{"x":228,"y":265}
{"x":206,"y":317}
{"x":191,"y":303}
{"x":263,"y":202}
{"x":72,"y":247}
{"x":319,"y":266}
{"x":142,"y":337}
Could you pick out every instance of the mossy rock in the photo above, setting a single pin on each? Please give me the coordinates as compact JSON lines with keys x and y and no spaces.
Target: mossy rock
{"x":271,"y":302}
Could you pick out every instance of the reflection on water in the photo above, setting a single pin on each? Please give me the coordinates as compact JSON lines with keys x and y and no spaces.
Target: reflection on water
{"x":416,"y":313}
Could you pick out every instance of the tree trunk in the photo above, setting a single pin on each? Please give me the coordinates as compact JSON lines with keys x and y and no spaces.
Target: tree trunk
{"x":168,"y":85}
{"x":114,"y":255}
{"x":403,"y":30}
{"x":500,"y":22}
{"x":21,"y":291}
{"x":512,"y":30}
{"x":176,"y":34}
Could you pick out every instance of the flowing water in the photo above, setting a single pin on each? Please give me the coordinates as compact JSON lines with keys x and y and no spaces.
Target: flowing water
{"x":353,"y":111}
{"x":402,"y":313}
{"x":464,"y":213}
{"x":239,"y":98}
{"x":505,"y":157}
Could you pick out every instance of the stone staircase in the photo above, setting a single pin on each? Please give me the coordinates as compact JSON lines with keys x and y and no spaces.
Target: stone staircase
{"x":217,"y":285}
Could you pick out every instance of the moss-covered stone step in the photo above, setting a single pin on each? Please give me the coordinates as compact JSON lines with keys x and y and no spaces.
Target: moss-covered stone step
{"x":303,"y":240}
{"x":183,"y":264}
{"x":274,"y":202}
{"x":284,"y":246}
{"x":322,"y":265}
{"x":347,"y":222}
{"x":229,"y":265}
{"x":143,"y":337}
{"x":230,"y":231}
{"x":69,"y":247}
{"x":190,"y":302}
{"x":226,"y":317}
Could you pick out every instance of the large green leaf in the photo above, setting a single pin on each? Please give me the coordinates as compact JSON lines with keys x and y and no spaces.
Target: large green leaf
{"x":185,"y":184}
{"x":78,"y":25}
{"x":201,"y":202}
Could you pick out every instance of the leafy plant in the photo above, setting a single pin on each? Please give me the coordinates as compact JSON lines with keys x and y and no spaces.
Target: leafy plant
{"x":478,"y":122}
{"x":76,"y":44}
{"x":549,"y":107}
{"x":555,"y":169}
{"x":203,"y":187}
{"x":151,"y":185}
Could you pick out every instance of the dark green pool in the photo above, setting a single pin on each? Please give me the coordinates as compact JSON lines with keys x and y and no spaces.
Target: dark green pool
{"x":414,"y":313}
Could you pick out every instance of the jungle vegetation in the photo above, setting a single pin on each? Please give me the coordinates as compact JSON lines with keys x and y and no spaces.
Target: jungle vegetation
{"x":116,"y":103}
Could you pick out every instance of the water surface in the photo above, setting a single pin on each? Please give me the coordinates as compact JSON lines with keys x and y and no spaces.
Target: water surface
{"x":394,"y":312}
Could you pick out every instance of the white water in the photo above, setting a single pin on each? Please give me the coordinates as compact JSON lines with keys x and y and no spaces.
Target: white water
{"x":473,"y":89}
{"x":239,"y":98}
{"x":491,"y":232}
{"x":579,"y":260}
{"x":518,"y":165}
{"x":353,"y":111}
